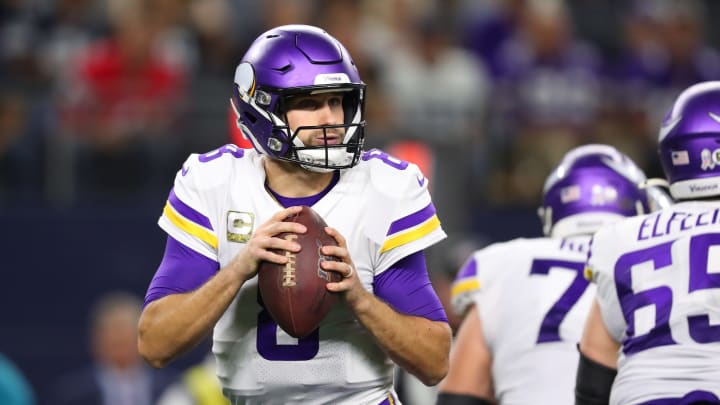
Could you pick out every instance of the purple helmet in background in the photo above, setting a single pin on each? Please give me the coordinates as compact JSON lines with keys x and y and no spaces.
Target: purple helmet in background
{"x":594,"y":185}
{"x":689,"y":142}
{"x":292,"y":60}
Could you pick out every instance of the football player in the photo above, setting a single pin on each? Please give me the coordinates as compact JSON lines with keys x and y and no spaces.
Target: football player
{"x":300,"y":100}
{"x":653,"y":332}
{"x":525,"y":301}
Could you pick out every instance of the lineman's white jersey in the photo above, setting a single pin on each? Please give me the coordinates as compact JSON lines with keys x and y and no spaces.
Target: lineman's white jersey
{"x":532,"y":300}
{"x":658,"y":285}
{"x":382,"y":207}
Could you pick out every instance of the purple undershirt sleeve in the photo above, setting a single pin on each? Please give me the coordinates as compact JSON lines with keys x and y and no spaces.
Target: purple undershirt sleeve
{"x":181,"y":270}
{"x":406,"y":287}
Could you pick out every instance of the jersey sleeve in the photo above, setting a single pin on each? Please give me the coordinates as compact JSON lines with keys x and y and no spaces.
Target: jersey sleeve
{"x":404,"y":217}
{"x":473,"y":276}
{"x":599,"y":269}
{"x":187,"y":213}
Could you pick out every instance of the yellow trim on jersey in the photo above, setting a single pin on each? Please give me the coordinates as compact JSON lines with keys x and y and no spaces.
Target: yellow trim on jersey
{"x":465,"y":286}
{"x":403,"y":238}
{"x":189,"y":226}
{"x":588,"y":273}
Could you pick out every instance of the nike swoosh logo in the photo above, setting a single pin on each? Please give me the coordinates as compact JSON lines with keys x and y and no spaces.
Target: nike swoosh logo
{"x":185,"y":170}
{"x":715,"y":117}
{"x":421,"y":180}
{"x":665,"y":129}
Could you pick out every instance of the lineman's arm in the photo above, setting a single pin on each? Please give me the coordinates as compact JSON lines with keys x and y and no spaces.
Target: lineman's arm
{"x":419,"y":345}
{"x":470,"y":362}
{"x":175,"y":323}
{"x":598,"y":361}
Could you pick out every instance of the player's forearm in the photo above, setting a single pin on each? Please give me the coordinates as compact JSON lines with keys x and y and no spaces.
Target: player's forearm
{"x":176,"y":323}
{"x":418,"y":345}
{"x":596,"y":342}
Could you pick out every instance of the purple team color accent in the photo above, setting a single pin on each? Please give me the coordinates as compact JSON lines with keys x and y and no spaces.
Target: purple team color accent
{"x":550,"y":327}
{"x":690,"y":127}
{"x":576,"y":191}
{"x":661,"y":297}
{"x":468,"y":270}
{"x":406,"y":287}
{"x":694,"y":397}
{"x":388,"y":401}
{"x":387,"y":159}
{"x":699,"y":325}
{"x":630,"y":301}
{"x":267,"y":346}
{"x":181,"y":270}
{"x":187,"y":212}
{"x":308,"y":201}
{"x":413,"y":219}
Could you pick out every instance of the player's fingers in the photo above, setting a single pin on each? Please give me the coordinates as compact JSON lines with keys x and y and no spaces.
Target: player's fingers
{"x":261,"y":254}
{"x":290,"y":227}
{"x":287,"y":212}
{"x":346,"y":270}
{"x":336,"y":235}
{"x":287,"y":242}
{"x":337,"y":251}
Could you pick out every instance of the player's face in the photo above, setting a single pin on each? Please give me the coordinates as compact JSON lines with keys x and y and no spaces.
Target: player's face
{"x":315,"y":110}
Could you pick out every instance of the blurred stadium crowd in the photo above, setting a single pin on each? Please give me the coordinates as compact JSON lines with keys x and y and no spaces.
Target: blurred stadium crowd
{"x":102,"y":100}
{"x":105,"y":98}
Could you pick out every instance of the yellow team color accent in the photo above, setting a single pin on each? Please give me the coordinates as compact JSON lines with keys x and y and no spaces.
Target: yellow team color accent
{"x":416,"y":233}
{"x":190,"y":227}
{"x":465,"y":286}
{"x":588,"y":273}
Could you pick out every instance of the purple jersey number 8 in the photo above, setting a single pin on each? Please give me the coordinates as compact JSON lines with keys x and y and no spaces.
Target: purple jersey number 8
{"x":269,"y":348}
{"x":662,"y":297}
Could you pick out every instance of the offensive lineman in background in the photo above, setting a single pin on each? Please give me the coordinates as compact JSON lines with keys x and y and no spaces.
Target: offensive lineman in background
{"x":525,"y":301}
{"x":300,"y":100}
{"x":656,"y":319}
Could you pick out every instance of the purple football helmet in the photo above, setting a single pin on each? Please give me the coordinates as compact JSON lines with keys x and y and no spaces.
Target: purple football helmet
{"x":594,"y":185}
{"x":291,"y":60}
{"x":689,"y":142}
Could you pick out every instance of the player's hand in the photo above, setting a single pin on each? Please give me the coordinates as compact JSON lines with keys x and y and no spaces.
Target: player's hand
{"x":350,"y":286}
{"x":265,"y":238}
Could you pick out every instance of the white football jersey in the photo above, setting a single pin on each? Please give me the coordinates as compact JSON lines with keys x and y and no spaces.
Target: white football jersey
{"x":383,"y":209}
{"x":532,"y":300}
{"x":658,"y":285}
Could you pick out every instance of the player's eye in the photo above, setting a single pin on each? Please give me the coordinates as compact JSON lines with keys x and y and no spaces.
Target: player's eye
{"x":306,"y":104}
{"x":335,"y":101}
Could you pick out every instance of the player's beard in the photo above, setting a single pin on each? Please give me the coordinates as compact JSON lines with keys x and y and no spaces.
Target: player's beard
{"x":326,"y":155}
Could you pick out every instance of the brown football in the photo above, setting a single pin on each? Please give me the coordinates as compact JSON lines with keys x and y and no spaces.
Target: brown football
{"x":294,"y":294}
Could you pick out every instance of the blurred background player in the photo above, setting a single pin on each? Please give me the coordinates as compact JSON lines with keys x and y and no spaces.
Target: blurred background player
{"x":525,"y":300}
{"x":656,"y":317}
{"x":117,"y":374}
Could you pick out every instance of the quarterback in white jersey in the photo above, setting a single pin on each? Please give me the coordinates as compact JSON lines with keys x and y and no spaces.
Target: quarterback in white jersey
{"x":526,"y":300}
{"x":656,"y":320}
{"x":227,"y":207}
